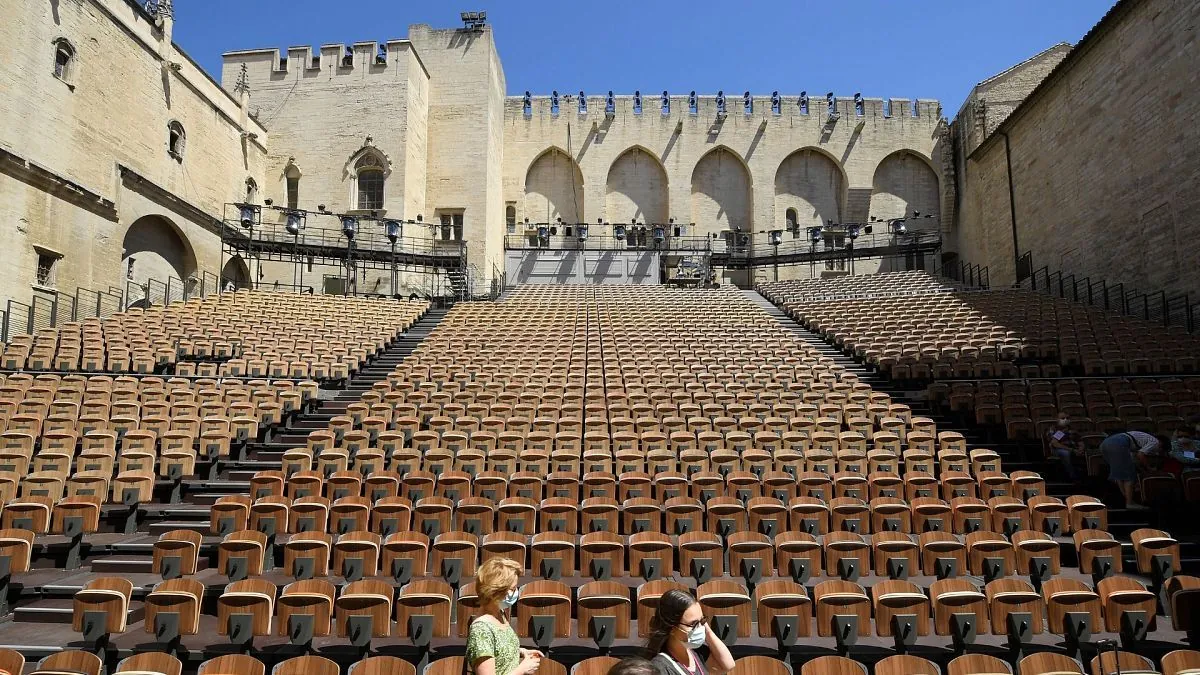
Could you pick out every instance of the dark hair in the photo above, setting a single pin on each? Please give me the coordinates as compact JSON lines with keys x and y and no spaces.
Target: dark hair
{"x":633,"y":665}
{"x":671,"y":606}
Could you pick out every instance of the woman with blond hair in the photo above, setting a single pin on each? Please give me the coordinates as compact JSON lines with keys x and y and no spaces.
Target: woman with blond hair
{"x":492,"y":644}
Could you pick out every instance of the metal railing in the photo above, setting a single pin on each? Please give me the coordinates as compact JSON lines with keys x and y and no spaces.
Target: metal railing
{"x":1154,"y":306}
{"x":967,"y":274}
{"x":631,"y":242}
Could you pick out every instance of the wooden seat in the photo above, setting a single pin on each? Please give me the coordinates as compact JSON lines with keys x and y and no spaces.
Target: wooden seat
{"x":253,"y":597}
{"x":106,"y":596}
{"x":178,"y":597}
{"x":977,"y":664}
{"x":306,"y":665}
{"x":904,"y":664}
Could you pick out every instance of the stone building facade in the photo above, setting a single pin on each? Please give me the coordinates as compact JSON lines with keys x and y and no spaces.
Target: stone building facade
{"x":1095,"y":173}
{"x":117,"y":151}
{"x":119,"y":156}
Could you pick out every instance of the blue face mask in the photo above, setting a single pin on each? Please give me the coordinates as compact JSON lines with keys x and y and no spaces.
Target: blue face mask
{"x":510,"y":599}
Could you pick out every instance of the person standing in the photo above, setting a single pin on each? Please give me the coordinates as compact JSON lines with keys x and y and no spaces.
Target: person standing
{"x":492,"y":644}
{"x":1123,"y":453}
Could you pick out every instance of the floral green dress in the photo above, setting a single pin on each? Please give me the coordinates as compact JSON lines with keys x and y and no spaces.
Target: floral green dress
{"x":486,"y":639}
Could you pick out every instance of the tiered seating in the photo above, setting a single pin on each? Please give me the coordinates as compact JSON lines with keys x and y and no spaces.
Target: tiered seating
{"x":248,"y":333}
{"x":1097,"y":407}
{"x":653,"y":431}
{"x":911,"y":327}
{"x":617,"y":443}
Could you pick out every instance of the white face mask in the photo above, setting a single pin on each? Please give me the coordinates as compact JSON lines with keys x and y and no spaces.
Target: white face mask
{"x":696,"y":635}
{"x":510,"y":599}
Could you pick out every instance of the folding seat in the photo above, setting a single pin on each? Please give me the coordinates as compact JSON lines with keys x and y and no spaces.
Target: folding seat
{"x":683,"y":514}
{"x":809,"y":514}
{"x":70,"y":661}
{"x":930,"y":514}
{"x":1180,"y":662}
{"x":382,"y":665}
{"x":604,"y":612}
{"x":28,"y":513}
{"x":176,"y":553}
{"x":244,"y":610}
{"x":1121,"y":662}
{"x":743,"y":485}
{"x":1015,"y":609}
{"x":173,"y":609}
{"x":1027,"y":485}
{"x":1129,"y":607}
{"x":901,"y":611}
{"x":1157,"y":554}
{"x":833,"y":665}
{"x":1049,"y":515}
{"x":305,"y":610}
{"x":919,"y":484}
{"x":1098,"y":552}
{"x":957,"y":484}
{"x":309,"y":513}
{"x":240,"y":554}
{"x":454,"y":556}
{"x":306,"y":665}
{"x":971,"y":514}
{"x":364,"y":611}
{"x":1008,"y":515}
{"x":729,"y":607}
{"x":960,"y":610}
{"x":1072,"y":610}
{"x":889,"y":514}
{"x":725,"y":515}
{"x":942,"y":555}
{"x":602,"y":555}
{"x":101,"y":608}
{"x":543,"y":612}
{"x":391,"y":514}
{"x":904,"y":664}
{"x":846,"y":555}
{"x":1048,"y":663}
{"x":150,"y":662}
{"x":516,"y":514}
{"x":651,"y":554}
{"x":843,"y":611}
{"x":405,"y":555}
{"x":553,"y":555}
{"x":342,"y":484}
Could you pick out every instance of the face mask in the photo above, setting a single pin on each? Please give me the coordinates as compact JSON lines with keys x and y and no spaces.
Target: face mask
{"x":695,"y":638}
{"x":510,"y":599}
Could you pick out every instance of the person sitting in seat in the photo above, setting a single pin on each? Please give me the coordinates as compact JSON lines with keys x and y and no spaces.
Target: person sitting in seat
{"x":1065,"y":444}
{"x":1185,"y":450}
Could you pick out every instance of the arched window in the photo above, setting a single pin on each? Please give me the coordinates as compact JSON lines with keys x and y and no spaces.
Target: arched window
{"x":292,"y":174}
{"x":251,"y":190}
{"x":369,"y":170}
{"x":510,"y":218}
{"x":176,"y":140}
{"x":790,"y":221}
{"x":64,"y":60}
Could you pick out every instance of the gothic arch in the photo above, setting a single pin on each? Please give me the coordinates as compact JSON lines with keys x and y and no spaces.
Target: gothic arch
{"x":636,"y":188}
{"x":813,"y":183}
{"x":158,"y":250}
{"x":554,"y":188}
{"x":904,"y":183}
{"x":721,"y":193}
{"x":237,"y":271}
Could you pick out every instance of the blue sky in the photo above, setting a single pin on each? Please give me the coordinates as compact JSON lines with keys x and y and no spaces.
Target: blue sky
{"x":882,"y":48}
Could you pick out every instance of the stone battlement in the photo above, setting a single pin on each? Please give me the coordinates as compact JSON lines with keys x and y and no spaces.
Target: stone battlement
{"x":706,"y":106}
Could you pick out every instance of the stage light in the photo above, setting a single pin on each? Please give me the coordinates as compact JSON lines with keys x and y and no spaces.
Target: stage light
{"x":581,"y":230}
{"x":582,"y":103}
{"x":659,"y":234}
{"x":814,"y":233}
{"x":720,"y":104}
{"x":637,"y":102}
{"x":747,"y":104}
{"x":247,"y":213}
{"x":693,"y":103}
{"x":867,"y":229}
{"x":858,"y":104}
{"x":610,"y":105}
{"x":619,"y":232}
{"x":852,"y":231}
{"x":418,"y":217}
{"x":776,"y":103}
{"x":803,"y":103}
{"x":321,"y":208}
{"x":775,"y":237}
{"x":666,"y":103}
{"x":543,"y":231}
{"x":394,"y":229}
{"x":295,"y":223}
{"x":268,"y":201}
{"x":554,"y":101}
{"x":349,"y":227}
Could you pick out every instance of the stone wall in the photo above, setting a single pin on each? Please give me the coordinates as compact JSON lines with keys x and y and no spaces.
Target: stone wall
{"x":1104,"y":158}
{"x":85,"y":155}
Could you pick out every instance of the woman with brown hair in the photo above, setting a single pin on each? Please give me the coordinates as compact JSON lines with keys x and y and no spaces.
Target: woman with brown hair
{"x":677,"y":630}
{"x":492,"y":644}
